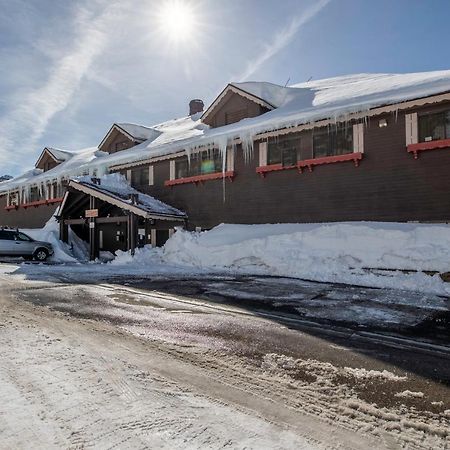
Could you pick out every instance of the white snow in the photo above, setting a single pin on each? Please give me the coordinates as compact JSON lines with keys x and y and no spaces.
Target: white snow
{"x":139,"y":131}
{"x":285,"y":365}
{"x":61,"y":155}
{"x":332,"y":252}
{"x":333,"y":98}
{"x":347,"y":252}
{"x":63,"y":253}
{"x":408,"y":394}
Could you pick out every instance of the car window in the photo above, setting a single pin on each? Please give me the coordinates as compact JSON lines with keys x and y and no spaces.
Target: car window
{"x":6,"y":235}
{"x":23,"y":237}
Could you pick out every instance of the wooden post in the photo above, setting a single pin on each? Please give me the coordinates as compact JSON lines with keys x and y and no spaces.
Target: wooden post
{"x":93,"y":232}
{"x":132,"y":231}
{"x":63,"y":231}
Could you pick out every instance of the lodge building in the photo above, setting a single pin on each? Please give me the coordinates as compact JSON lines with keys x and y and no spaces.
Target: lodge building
{"x":355,"y":148}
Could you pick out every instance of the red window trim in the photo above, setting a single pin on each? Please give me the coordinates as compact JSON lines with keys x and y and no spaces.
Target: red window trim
{"x":35,"y":204}
{"x":423,"y":146}
{"x":200,"y":178}
{"x":310,"y":163}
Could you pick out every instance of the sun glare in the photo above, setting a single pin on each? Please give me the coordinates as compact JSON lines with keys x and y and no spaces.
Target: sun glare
{"x":177,"y":20}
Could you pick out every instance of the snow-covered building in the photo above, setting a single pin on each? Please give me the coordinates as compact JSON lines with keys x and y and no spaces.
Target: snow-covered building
{"x":360,"y":147}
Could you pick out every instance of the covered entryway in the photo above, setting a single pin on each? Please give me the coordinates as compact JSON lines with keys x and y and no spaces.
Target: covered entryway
{"x":110,"y":215}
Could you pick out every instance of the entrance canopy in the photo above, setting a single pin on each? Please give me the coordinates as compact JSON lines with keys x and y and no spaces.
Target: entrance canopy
{"x":114,"y":190}
{"x":111,"y":215}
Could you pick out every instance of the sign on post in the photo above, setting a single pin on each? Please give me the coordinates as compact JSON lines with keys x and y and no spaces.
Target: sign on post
{"x":89,"y":213}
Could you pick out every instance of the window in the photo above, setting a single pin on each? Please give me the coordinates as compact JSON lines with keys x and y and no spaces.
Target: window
{"x":139,"y":176}
{"x":283,"y":150}
{"x":201,"y":163}
{"x":23,"y":237}
{"x":333,"y":141}
{"x":434,"y":127}
{"x":34,"y":194}
{"x":6,"y":235}
{"x":13,"y":199}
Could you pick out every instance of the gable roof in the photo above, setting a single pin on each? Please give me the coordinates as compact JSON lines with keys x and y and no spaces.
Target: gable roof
{"x":114,"y":189}
{"x":134,"y":132}
{"x":56,"y":154}
{"x":250,"y":91}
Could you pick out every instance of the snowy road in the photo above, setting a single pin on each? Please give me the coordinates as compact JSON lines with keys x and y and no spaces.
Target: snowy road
{"x":108,"y":365}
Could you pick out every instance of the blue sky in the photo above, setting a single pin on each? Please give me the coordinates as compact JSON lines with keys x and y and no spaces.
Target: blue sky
{"x":72,"y":68}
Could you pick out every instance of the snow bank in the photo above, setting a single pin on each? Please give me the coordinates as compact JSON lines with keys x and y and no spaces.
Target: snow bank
{"x":144,"y":257}
{"x":64,"y":253}
{"x":332,"y":252}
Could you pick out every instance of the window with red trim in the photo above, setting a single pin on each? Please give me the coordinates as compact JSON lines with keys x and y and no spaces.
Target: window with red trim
{"x":284,"y":150}
{"x":333,"y":141}
{"x":434,"y":126}
{"x":201,"y":163}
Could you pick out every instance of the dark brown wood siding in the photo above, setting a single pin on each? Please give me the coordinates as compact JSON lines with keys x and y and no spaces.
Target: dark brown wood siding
{"x":233,"y":108}
{"x":389,"y":185}
{"x":25,"y":218}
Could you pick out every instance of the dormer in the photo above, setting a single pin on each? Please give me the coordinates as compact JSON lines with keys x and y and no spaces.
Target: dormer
{"x":51,"y":157}
{"x":239,"y":101}
{"x":122,"y":136}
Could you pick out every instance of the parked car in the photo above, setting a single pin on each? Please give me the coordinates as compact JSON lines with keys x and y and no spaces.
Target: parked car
{"x":16,"y":243}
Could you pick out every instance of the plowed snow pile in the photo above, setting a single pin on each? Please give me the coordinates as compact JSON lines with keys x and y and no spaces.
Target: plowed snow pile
{"x":333,"y":252}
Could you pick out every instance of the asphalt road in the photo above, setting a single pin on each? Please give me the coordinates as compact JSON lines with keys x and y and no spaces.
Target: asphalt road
{"x":248,"y":343}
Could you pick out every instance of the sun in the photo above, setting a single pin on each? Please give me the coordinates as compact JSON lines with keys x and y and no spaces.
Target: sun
{"x":177,"y":20}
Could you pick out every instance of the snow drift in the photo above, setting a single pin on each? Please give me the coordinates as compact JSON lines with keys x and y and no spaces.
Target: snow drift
{"x":332,"y":252}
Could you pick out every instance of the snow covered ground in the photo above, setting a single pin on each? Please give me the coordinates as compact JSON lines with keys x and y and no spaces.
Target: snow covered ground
{"x":89,"y":365}
{"x":358,"y":253}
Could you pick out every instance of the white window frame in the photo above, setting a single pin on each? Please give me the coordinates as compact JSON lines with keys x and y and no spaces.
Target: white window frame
{"x":411,"y":128}
{"x":172,"y":169}
{"x":358,"y":138}
{"x":230,"y":160}
{"x":263,"y":153}
{"x":151,"y":175}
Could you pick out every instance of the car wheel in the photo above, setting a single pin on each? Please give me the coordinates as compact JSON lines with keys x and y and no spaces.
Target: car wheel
{"x":41,"y":254}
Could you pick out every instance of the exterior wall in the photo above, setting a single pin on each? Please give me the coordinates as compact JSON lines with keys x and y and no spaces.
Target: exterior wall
{"x":25,"y":218}
{"x":118,"y":139}
{"x":231,"y":103}
{"x":47,"y":163}
{"x":388,"y":185}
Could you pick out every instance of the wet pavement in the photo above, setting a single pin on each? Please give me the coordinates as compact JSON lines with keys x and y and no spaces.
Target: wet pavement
{"x":425,"y":316}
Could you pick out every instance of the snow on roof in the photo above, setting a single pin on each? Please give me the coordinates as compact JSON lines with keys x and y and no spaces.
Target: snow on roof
{"x":80,"y":162}
{"x":269,"y":92}
{"x":331,"y":98}
{"x":139,"y":132}
{"x":116,"y":186}
{"x":60,"y":155}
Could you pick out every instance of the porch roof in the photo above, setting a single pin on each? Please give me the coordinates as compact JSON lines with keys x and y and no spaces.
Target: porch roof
{"x":115,"y":190}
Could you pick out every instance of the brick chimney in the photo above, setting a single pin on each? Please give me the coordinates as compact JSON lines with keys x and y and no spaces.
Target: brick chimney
{"x":195,"y":106}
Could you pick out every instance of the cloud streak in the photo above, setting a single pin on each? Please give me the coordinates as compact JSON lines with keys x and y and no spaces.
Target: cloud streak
{"x":28,"y":119}
{"x":282,"y":39}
